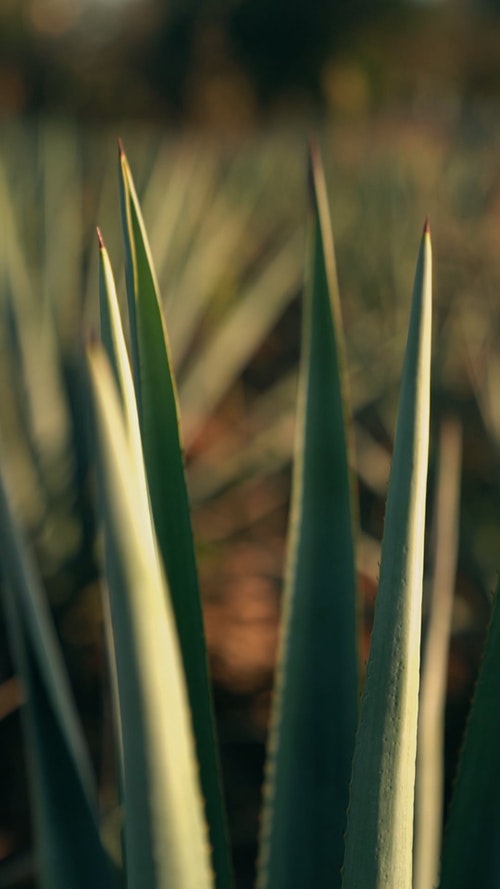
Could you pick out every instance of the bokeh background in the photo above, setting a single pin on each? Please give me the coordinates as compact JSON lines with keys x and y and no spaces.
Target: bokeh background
{"x":236,"y":64}
{"x":215,"y":102}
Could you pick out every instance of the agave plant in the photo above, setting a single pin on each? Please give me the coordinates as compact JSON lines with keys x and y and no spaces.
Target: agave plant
{"x":338,"y":765}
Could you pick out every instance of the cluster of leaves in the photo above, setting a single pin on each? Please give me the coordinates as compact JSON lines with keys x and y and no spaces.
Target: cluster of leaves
{"x":323,"y":758}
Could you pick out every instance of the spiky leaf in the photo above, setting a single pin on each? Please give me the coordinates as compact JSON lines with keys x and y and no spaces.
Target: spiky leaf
{"x":315,"y":705}
{"x":160,"y":430}
{"x":165,"y":830}
{"x":471,"y":856}
{"x":380,"y":821}
{"x":71,"y":855}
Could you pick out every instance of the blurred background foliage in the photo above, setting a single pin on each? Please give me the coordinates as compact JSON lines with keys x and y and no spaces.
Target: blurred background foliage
{"x":214,"y":101}
{"x":236,"y":63}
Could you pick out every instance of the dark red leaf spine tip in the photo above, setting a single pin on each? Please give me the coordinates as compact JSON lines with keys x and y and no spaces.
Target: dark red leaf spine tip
{"x":100,"y":238}
{"x":314,"y":160}
{"x":427,"y":228}
{"x":121,"y":150}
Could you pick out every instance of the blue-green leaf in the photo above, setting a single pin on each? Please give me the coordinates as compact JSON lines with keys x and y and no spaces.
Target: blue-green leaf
{"x":71,"y":855}
{"x":316,"y":699}
{"x":471,"y":854}
{"x":160,"y":430}
{"x":379,"y":839}
{"x":166,"y":841}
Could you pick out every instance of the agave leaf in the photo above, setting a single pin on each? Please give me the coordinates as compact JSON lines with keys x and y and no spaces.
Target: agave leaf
{"x":113,"y":340}
{"x":160,"y":430}
{"x":380,"y":820}
{"x":165,"y":831}
{"x":430,"y":746}
{"x":71,"y":855}
{"x":471,"y":856}
{"x":315,"y":706}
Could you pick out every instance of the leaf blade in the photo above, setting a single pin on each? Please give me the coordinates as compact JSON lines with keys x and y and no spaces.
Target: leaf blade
{"x":380,"y":820}
{"x":160,"y":429}
{"x":429,"y":786}
{"x":71,"y":852}
{"x":312,"y":741}
{"x":165,"y":832}
{"x":470,"y":848}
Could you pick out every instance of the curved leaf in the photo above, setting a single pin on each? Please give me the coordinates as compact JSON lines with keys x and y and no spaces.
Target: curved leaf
{"x":160,"y":429}
{"x":71,"y":855}
{"x":165,"y":831}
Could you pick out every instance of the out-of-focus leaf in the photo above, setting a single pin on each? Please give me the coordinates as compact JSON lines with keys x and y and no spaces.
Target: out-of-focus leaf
{"x":315,"y":707}
{"x":160,"y":431}
{"x":71,"y":855}
{"x":240,"y":334}
{"x":379,"y":838}
{"x":471,"y":854}
{"x":165,"y":832}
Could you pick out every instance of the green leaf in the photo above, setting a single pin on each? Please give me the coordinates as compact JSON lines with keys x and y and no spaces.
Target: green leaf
{"x":165,"y":831}
{"x":430,"y":746}
{"x":113,"y":340}
{"x":315,"y":707}
{"x":160,"y":430}
{"x":471,"y":854}
{"x":380,"y":820}
{"x":71,"y":855}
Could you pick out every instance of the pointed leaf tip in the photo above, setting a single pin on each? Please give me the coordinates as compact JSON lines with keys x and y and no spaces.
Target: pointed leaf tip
{"x":314,"y":152}
{"x":313,"y":167}
{"x":427,"y":228}
{"x":121,"y":149}
{"x":100,"y":238}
